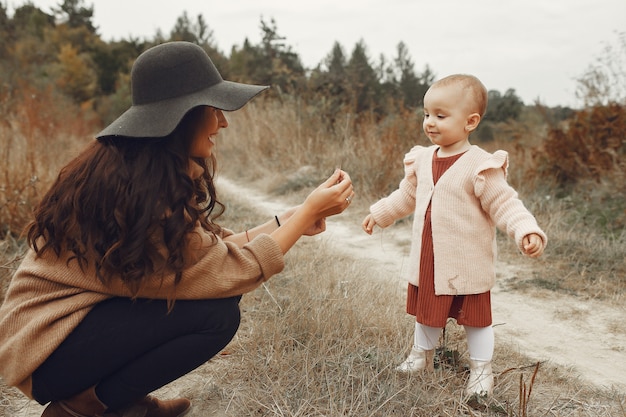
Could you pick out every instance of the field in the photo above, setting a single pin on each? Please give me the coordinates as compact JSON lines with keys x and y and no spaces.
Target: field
{"x":322,"y":338}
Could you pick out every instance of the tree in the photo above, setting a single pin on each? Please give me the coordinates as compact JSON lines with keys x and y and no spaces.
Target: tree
{"x":411,"y":85}
{"x":503,"y":107}
{"x":285,"y":64}
{"x":27,"y":49}
{"x":75,"y":14}
{"x":328,"y":84}
{"x":336,"y":62}
{"x":197,"y":32}
{"x":248,"y":64}
{"x":604,"y":81}
{"x":28,"y":20}
{"x":75,"y":74}
{"x":334,"y":81}
{"x":271,"y":63}
{"x":363,"y":82}
{"x":112,"y":60}
{"x":5,"y":34}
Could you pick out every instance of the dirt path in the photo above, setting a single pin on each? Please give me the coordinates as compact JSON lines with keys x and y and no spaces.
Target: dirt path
{"x":586,"y":336}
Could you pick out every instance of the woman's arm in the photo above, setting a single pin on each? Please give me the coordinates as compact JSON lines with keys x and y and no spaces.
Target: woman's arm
{"x":242,"y":238}
{"x":268,"y":227}
{"x":328,"y":199}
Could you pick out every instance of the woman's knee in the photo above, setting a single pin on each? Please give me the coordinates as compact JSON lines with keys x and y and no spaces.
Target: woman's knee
{"x":222,"y":315}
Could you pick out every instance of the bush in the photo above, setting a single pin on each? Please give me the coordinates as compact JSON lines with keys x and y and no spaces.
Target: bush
{"x":591,"y":146}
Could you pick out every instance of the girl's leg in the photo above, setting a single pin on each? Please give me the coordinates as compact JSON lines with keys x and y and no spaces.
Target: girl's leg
{"x":426,"y":337}
{"x":480,"y":342}
{"x":128,"y":349}
{"x":422,"y":354}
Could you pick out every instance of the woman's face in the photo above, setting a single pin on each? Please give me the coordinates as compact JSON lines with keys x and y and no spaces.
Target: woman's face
{"x":209,"y":122}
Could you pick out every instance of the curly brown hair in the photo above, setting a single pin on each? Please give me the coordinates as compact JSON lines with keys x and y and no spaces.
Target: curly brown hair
{"x":129,"y":206}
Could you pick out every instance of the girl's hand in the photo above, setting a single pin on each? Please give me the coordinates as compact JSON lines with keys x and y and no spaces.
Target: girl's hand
{"x":368,"y":224}
{"x":533,"y":245}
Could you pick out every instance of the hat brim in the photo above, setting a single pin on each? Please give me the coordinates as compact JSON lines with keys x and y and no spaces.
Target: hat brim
{"x":159,"y":119}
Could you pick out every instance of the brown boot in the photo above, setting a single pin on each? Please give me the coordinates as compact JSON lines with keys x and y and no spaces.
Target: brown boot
{"x":168,"y":408}
{"x":85,"y":404}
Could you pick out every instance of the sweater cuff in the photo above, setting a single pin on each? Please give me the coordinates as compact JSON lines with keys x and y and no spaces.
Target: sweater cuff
{"x":268,"y":253}
{"x":380,"y":212}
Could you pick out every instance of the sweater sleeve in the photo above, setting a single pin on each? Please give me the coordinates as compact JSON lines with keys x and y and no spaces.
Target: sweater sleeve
{"x":221,"y":269}
{"x":218,"y":269}
{"x":401,"y":202}
{"x":501,"y":201}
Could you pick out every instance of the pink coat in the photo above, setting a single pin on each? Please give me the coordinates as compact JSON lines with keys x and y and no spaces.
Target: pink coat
{"x":469,"y":201}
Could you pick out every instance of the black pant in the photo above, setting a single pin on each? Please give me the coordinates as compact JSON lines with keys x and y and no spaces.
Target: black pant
{"x":130,"y":348}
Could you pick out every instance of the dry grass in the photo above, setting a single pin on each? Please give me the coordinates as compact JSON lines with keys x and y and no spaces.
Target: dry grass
{"x":39,"y":133}
{"x":283,"y":140}
{"x":321,"y":338}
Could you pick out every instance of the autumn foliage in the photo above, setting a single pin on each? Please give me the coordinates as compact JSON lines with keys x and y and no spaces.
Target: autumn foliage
{"x":592,"y":145}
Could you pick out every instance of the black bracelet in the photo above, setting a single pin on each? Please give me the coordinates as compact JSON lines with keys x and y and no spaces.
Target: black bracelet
{"x":277,"y":222}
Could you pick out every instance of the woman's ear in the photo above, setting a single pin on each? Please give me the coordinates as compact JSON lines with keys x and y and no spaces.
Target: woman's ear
{"x":472,"y":122}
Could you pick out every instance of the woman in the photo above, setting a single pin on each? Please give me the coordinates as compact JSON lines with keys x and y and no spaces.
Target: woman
{"x":129,"y":282}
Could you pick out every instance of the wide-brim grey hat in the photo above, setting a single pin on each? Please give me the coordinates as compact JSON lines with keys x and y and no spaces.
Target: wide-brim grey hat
{"x":167,"y":81}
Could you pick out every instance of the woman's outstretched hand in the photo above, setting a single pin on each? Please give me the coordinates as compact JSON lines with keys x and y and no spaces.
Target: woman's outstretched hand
{"x":331,"y":197}
{"x":316,"y":228}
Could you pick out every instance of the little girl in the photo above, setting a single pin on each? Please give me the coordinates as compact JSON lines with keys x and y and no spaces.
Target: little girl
{"x":458,"y":194}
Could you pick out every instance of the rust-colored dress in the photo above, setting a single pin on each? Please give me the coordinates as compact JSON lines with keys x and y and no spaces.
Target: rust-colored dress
{"x":434,"y":310}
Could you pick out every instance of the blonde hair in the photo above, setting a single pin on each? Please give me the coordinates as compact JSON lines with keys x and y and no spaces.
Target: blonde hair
{"x":471,"y":83}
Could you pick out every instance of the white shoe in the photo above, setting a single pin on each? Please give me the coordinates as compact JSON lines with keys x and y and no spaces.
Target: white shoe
{"x":418,"y":360}
{"x":480,"y":380}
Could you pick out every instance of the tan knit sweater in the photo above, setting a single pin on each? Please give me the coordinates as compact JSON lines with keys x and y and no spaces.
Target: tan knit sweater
{"x":469,"y":201}
{"x":48,"y":297}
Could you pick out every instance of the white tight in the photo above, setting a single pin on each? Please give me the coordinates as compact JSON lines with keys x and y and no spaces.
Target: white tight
{"x":426,"y":337}
{"x":480,"y":340}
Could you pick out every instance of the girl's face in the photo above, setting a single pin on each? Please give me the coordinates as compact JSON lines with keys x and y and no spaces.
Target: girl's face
{"x":448,"y":119}
{"x":209,"y":122}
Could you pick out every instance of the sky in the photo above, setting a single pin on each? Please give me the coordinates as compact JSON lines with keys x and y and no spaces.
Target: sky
{"x":536,"y":47}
